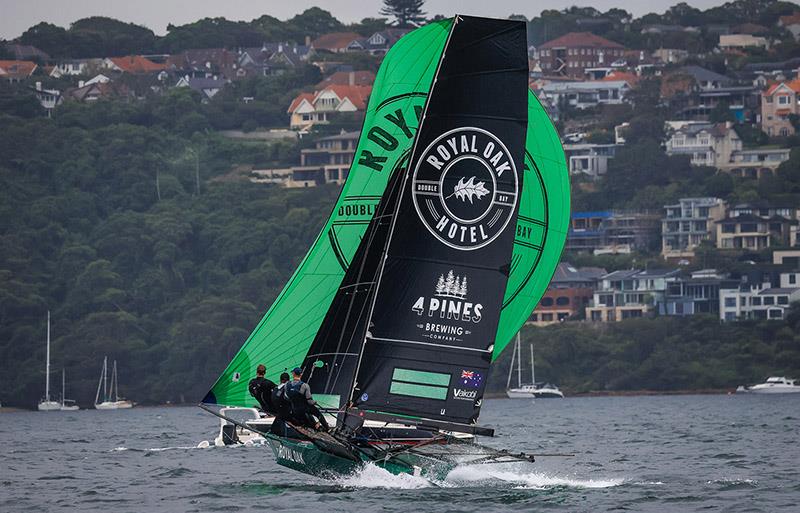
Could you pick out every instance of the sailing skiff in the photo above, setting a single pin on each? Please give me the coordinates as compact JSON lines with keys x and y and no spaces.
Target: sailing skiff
{"x":445,"y":236}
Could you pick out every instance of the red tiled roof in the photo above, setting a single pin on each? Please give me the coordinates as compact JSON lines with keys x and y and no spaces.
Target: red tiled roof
{"x":357,"y":94}
{"x":335,"y":40}
{"x":136,"y":64}
{"x":299,"y":99}
{"x":17,"y":69}
{"x":790,"y":19}
{"x":580,"y":40}
{"x":344,"y":77}
{"x":794,"y":85}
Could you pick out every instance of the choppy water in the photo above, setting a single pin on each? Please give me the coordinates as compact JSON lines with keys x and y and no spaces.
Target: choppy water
{"x":678,"y":453}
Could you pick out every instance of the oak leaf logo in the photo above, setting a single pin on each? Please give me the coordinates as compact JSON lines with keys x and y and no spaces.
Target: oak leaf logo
{"x":466,"y":190}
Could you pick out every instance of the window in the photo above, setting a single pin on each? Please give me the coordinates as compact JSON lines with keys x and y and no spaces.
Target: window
{"x":769,"y":300}
{"x":547,"y":317}
{"x":534,"y":317}
{"x":728,"y":228}
{"x":547,"y":301}
{"x":562,"y":301}
{"x":756,"y":301}
{"x":792,"y":278}
{"x":730,"y":316}
{"x":776,"y":314}
{"x":783,"y":100}
{"x":730,"y":302}
{"x":597,"y":316}
{"x":769,"y":99}
{"x":783,"y":300}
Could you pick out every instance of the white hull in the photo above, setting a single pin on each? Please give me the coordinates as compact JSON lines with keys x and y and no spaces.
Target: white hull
{"x":49,"y":406}
{"x":769,"y":390}
{"x":774,"y":385}
{"x":113,"y":405}
{"x":516,"y":393}
{"x":73,"y":407}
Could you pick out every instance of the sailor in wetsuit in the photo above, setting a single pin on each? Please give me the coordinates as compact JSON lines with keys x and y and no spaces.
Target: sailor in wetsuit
{"x":283,"y":409}
{"x":261,"y":388}
{"x":304,"y":407}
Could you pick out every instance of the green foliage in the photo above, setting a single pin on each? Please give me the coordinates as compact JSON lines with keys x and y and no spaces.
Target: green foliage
{"x":662,"y":354}
{"x":169,"y":287}
{"x":406,"y":12}
{"x":96,"y":36}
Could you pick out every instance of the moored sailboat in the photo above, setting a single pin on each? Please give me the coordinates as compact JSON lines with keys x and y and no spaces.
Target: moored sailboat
{"x":66,"y":404}
{"x":47,"y":404}
{"x":468,"y":229}
{"x":534,"y":389}
{"x":108,"y":392}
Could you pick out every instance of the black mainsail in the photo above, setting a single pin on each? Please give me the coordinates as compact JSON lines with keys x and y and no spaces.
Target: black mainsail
{"x":440,"y":285}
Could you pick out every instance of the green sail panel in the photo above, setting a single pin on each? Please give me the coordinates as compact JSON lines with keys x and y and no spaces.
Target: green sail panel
{"x":542,"y":223}
{"x":284,"y":334}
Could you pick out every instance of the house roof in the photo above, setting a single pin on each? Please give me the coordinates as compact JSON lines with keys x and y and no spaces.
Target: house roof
{"x":334,"y":40}
{"x":790,"y":19}
{"x":566,"y":273}
{"x":309,"y":97}
{"x":704,"y":75}
{"x":357,"y":94}
{"x":362,"y":78}
{"x":657,"y":273}
{"x":97,"y":89}
{"x":344,"y":136}
{"x":200,"y":83}
{"x":620,"y":275}
{"x":580,"y":39}
{"x":136,"y":64}
{"x":778,"y":290}
{"x":624,"y":76}
{"x":794,"y":85}
{"x":17,"y":69}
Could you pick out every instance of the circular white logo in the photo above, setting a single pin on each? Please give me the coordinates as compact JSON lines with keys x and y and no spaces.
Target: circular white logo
{"x":465,"y":188}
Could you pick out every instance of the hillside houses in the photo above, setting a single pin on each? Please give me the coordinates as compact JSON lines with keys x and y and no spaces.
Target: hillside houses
{"x":309,"y":109}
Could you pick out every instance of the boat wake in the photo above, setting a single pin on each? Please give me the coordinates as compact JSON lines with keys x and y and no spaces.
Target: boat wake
{"x":468,"y":476}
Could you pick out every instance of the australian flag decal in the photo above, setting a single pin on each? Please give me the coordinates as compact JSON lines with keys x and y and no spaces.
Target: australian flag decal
{"x":471,"y":379}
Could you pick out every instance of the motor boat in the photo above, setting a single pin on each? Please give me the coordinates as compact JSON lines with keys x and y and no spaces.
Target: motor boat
{"x":773,"y":385}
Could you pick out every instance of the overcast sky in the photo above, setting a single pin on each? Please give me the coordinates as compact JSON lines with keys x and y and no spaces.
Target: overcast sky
{"x":17,"y":15}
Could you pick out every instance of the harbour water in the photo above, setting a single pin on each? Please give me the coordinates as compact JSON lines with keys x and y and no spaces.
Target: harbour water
{"x":655,"y":453}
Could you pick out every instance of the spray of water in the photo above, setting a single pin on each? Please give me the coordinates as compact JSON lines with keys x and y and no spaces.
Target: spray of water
{"x":468,"y":476}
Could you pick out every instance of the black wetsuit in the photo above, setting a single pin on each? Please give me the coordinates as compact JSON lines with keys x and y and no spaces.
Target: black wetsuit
{"x":261,"y":388}
{"x":304,"y":407}
{"x":283,"y":410}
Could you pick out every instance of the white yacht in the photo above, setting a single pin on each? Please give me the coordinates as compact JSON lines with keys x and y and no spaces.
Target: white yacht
{"x":47,"y":404}
{"x":66,"y":404}
{"x":773,"y":385}
{"x":534,"y":389}
{"x":108,"y":404}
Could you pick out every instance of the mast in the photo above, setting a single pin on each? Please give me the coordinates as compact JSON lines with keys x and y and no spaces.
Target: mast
{"x":533,"y":376}
{"x":47,"y":367}
{"x":99,"y":384}
{"x":115,"y":382}
{"x":511,"y":368}
{"x":519,"y":362}
{"x":63,"y":386}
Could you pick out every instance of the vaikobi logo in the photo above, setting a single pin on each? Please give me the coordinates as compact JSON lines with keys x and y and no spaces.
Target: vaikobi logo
{"x":465,"y":188}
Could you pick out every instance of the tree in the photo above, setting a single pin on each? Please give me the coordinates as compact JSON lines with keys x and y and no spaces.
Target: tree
{"x":406,"y":12}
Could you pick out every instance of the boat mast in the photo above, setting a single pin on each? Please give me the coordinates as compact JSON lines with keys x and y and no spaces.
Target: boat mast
{"x":519,"y":362}
{"x":115,"y":383}
{"x":97,"y":395}
{"x":533,"y":376}
{"x":47,"y":367}
{"x":511,"y":368}
{"x":63,"y":386}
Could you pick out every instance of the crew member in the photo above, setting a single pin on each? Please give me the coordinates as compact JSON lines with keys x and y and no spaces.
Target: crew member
{"x":283,"y":410}
{"x":261,"y":388}
{"x":304,"y":407}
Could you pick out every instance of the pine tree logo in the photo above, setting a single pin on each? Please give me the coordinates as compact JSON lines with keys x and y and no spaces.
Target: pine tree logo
{"x":452,"y":286}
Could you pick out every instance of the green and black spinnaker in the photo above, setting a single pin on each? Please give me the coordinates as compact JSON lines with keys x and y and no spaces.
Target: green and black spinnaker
{"x":483,"y":142}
